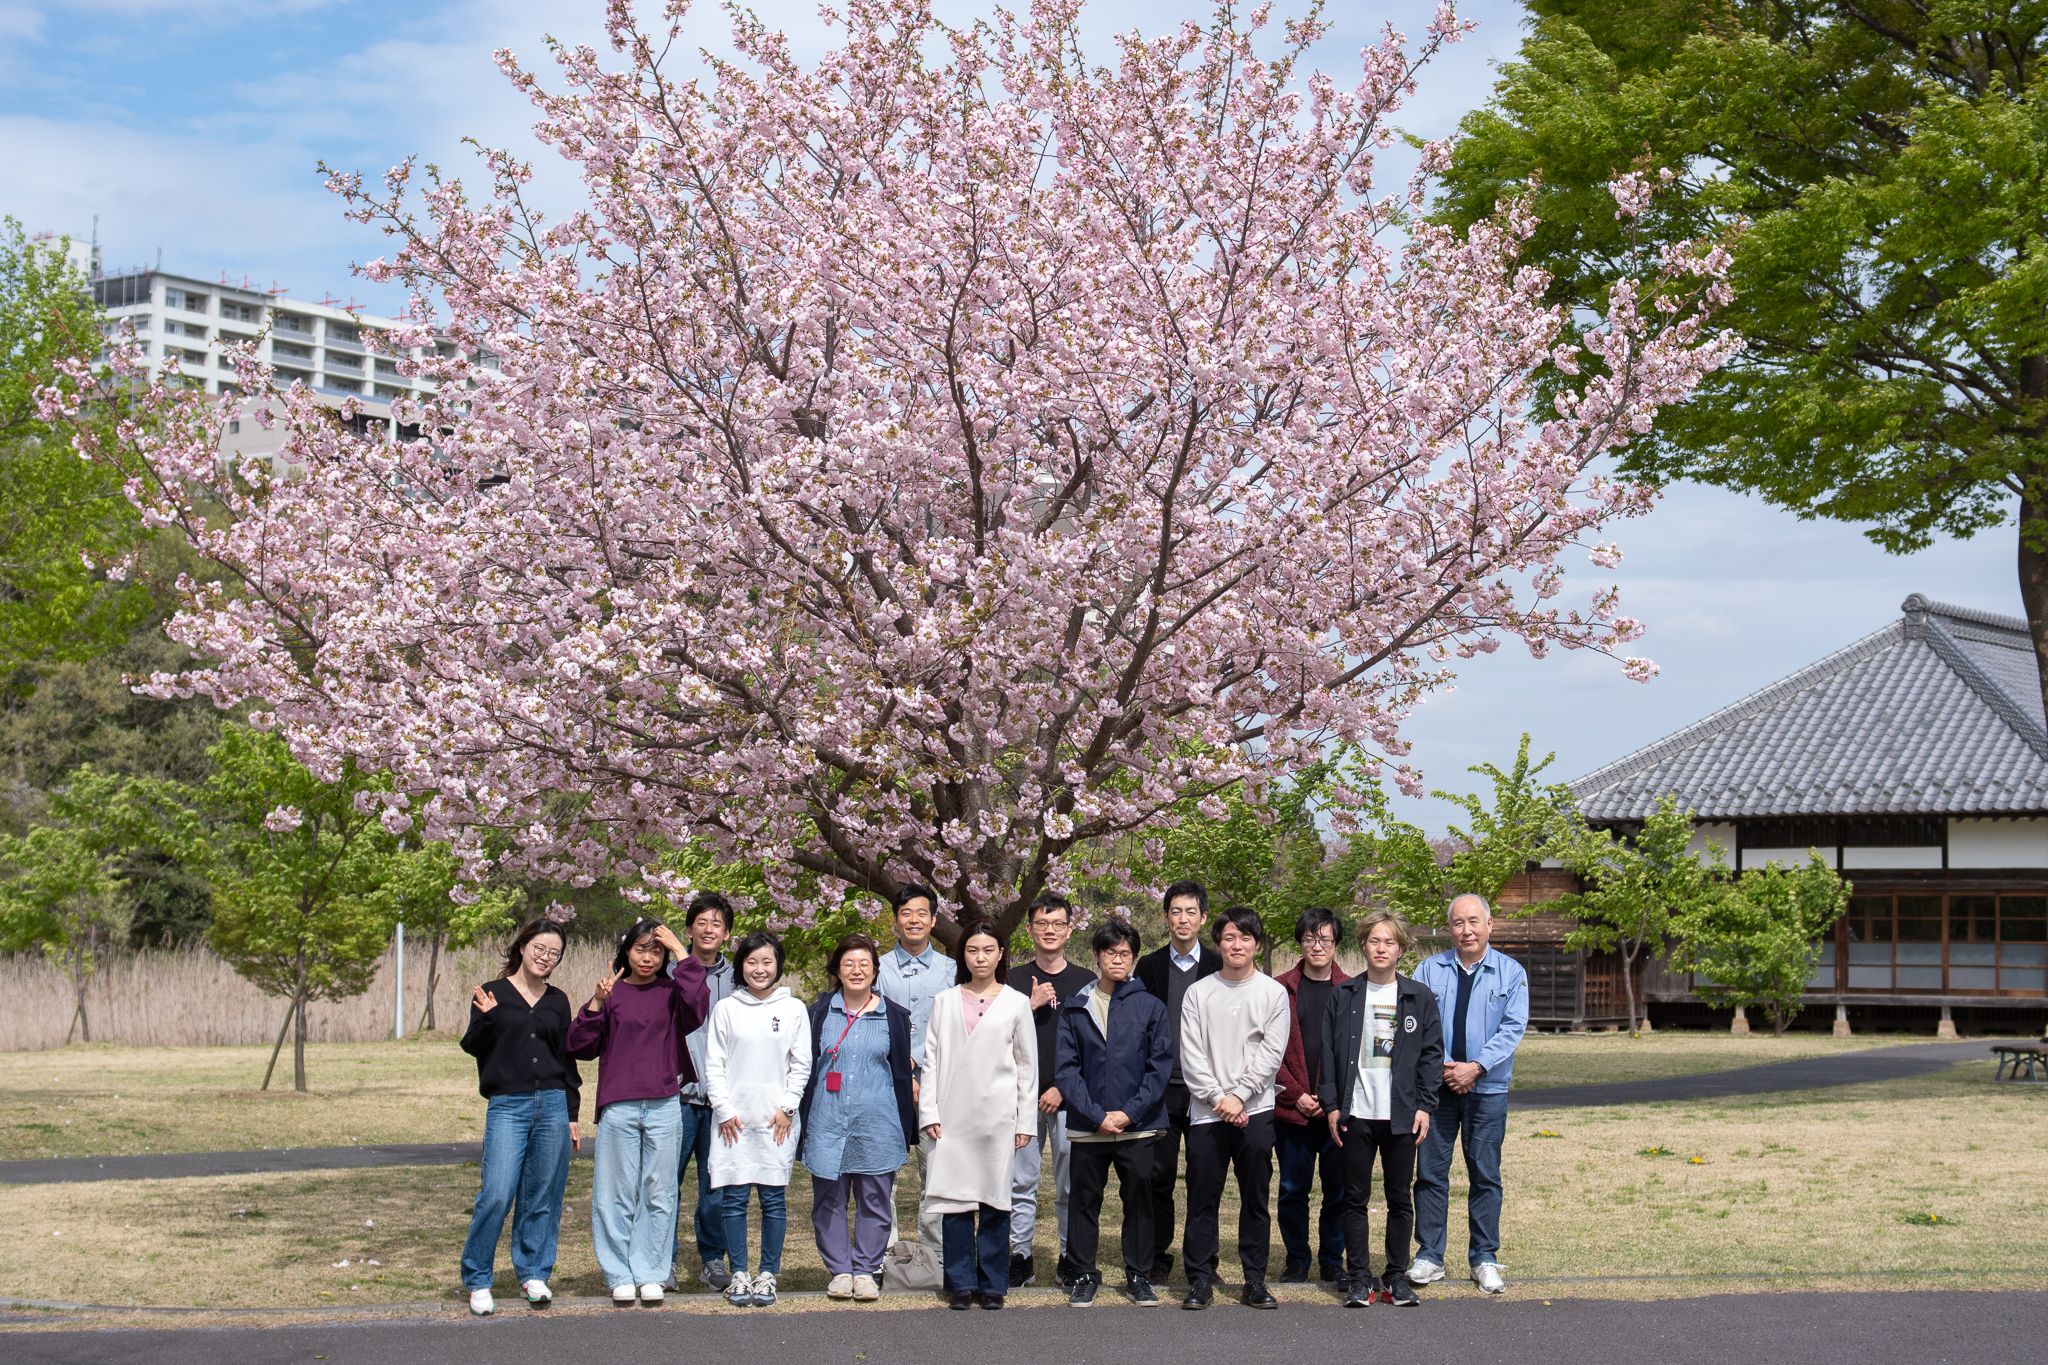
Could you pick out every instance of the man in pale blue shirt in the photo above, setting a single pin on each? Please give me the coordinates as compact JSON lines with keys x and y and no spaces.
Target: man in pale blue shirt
{"x":1483,"y":998}
{"x":912,"y":974}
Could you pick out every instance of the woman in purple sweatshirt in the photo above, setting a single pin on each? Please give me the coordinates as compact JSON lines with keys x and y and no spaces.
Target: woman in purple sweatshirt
{"x":636,"y":1026}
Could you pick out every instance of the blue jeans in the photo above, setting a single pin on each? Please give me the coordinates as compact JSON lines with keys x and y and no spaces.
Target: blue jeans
{"x":774,"y":1223}
{"x":525,"y":1168}
{"x":1302,"y":1148}
{"x":1481,"y":1122}
{"x":710,"y":1220}
{"x":633,"y":1190}
{"x":978,"y":1259}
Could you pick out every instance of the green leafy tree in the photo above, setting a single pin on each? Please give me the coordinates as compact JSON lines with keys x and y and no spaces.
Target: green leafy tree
{"x":1638,"y":890}
{"x":1890,"y":162}
{"x":419,"y":889}
{"x":62,"y":888}
{"x":1758,"y":944}
{"x":64,"y":520}
{"x":297,"y":867}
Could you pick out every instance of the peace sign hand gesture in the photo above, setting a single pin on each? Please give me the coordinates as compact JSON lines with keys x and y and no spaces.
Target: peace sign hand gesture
{"x":484,"y":1000}
{"x":604,"y":988}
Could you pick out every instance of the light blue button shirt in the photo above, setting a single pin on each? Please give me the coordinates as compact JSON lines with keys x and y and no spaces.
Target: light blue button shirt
{"x":912,"y":982}
{"x":1187,"y":963}
{"x":1495,"y":1019}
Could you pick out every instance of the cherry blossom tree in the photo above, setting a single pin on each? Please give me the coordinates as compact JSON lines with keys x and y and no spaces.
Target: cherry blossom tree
{"x":925,"y":465}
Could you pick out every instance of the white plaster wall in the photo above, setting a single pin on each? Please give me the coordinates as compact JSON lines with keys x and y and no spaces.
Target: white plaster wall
{"x":1998,"y":843}
{"x":1704,"y":834}
{"x":1878,"y":859}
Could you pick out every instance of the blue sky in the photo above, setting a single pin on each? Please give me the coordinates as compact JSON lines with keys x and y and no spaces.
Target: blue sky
{"x":194,"y":128}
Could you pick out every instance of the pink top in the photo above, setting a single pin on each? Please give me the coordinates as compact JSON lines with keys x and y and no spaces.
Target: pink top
{"x":973,"y":1009}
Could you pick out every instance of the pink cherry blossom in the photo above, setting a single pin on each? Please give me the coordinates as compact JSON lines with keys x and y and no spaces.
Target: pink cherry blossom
{"x":929,"y":464}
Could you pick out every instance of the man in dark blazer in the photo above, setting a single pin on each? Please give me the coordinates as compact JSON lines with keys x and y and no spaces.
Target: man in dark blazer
{"x":1167,"y":973}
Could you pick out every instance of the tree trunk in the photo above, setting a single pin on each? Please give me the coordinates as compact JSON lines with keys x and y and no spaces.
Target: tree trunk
{"x":433,"y":980}
{"x":299,"y":1030}
{"x":271,"y":1070}
{"x":2033,"y":516}
{"x":1628,"y":985}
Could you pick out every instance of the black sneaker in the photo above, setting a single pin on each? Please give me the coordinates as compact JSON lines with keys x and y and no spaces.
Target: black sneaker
{"x":1200,"y":1295}
{"x":992,"y":1302}
{"x":1360,"y":1295}
{"x":1082,"y":1295}
{"x":1141,"y":1291}
{"x":1399,"y":1292}
{"x":1256,"y":1295}
{"x":1065,"y":1273}
{"x":1332,"y":1274}
{"x":1294,"y":1274}
{"x":1343,"y":1283}
{"x":960,"y":1300}
{"x":1022,"y":1271}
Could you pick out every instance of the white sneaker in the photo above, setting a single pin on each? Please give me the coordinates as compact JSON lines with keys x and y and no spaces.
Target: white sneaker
{"x":625,"y":1295}
{"x":650,"y":1293}
{"x":1424,"y":1272}
{"x":1487,"y":1276}
{"x":538,"y":1294}
{"x":764,"y":1291}
{"x":840,"y":1288}
{"x":740,"y":1293}
{"x":865,"y":1290}
{"x":481,"y":1303}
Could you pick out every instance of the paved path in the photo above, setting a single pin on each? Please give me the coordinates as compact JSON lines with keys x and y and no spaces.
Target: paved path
{"x":1917,"y":1328}
{"x":1810,"y":1073}
{"x":1806,"y":1073}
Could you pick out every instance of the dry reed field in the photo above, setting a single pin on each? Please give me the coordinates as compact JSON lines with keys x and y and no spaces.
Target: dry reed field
{"x":1938,"y":1180}
{"x":190,"y":998}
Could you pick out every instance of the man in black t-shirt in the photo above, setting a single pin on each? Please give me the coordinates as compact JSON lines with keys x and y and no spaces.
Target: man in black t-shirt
{"x":1049,"y":979}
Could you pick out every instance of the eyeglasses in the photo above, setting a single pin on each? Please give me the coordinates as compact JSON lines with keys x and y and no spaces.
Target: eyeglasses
{"x":1319,"y":941}
{"x":544,"y":954}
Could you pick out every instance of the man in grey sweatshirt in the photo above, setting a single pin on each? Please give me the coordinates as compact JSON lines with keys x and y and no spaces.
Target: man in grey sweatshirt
{"x":1233,"y":1034}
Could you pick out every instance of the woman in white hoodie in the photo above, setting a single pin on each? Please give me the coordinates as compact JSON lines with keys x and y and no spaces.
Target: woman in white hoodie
{"x":757,"y":1061}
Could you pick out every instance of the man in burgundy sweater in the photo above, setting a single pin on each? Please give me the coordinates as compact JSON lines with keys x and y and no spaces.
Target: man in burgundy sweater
{"x":1303,"y":1139}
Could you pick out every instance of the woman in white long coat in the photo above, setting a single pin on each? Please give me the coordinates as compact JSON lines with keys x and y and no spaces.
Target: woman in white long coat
{"x":979,"y":1104}
{"x":757,"y":1060}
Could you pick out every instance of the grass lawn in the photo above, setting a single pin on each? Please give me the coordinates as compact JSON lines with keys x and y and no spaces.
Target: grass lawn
{"x":104,"y":1100}
{"x":1546,"y":1059}
{"x":1838,"y":1182}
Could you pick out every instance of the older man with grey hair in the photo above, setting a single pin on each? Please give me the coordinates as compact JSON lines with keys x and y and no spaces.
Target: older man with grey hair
{"x":1482,"y":995}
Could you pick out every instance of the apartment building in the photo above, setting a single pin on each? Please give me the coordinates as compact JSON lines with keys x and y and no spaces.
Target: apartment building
{"x":187,"y":326}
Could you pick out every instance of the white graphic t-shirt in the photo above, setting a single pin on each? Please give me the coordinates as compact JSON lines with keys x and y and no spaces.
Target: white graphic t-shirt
{"x":1372,"y":1088}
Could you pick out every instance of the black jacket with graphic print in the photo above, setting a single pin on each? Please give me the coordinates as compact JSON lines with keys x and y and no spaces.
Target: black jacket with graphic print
{"x":1418,"y":1061}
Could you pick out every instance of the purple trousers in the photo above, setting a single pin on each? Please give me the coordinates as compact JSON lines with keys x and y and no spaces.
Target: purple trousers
{"x":853,"y":1245}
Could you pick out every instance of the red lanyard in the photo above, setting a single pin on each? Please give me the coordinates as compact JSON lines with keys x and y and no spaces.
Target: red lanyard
{"x":852,"y":1019}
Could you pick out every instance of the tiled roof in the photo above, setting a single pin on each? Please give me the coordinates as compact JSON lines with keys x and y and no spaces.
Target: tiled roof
{"x":1938,"y":713}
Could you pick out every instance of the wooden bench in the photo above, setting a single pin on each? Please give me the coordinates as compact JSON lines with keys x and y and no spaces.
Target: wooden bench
{"x":2027,"y":1061}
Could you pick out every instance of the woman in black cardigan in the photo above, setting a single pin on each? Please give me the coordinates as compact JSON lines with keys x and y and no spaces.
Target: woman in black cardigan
{"x":519,"y":1034}
{"x":1383,"y":1052}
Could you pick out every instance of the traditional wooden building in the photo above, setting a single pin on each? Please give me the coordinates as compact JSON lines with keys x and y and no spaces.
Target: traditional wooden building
{"x":1916,"y":761}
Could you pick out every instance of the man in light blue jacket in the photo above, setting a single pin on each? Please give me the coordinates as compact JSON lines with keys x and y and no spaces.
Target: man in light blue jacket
{"x":1483,"y":998}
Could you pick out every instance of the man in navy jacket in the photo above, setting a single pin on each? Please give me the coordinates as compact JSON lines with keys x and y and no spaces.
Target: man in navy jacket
{"x":1114,"y":1055}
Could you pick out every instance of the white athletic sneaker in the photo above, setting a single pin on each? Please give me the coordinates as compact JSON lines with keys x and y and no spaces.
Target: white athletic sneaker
{"x":1487,"y":1276}
{"x":865,"y":1290}
{"x":538,"y":1294}
{"x":764,"y":1291}
{"x":1424,"y":1272}
{"x":840,"y":1288}
{"x":740,"y":1293}
{"x":625,"y":1295}
{"x":650,"y":1293}
{"x":481,"y":1303}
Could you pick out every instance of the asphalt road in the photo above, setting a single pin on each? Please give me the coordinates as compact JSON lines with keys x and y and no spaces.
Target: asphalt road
{"x":1805,"y":1073}
{"x":1784,"y":1329}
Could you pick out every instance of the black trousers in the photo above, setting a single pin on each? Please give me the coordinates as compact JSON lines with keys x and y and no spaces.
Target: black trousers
{"x":1088,"y":1167}
{"x":1214,"y":1150}
{"x":1364,"y":1141}
{"x":1165,"y":1173}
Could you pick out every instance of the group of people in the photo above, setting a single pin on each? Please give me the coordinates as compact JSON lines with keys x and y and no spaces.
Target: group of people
{"x":980,"y":1069}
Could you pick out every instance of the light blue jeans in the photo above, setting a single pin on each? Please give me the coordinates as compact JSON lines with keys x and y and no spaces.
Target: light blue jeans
{"x":525,"y":1168}
{"x":1480,"y":1123}
{"x":633,"y":1190}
